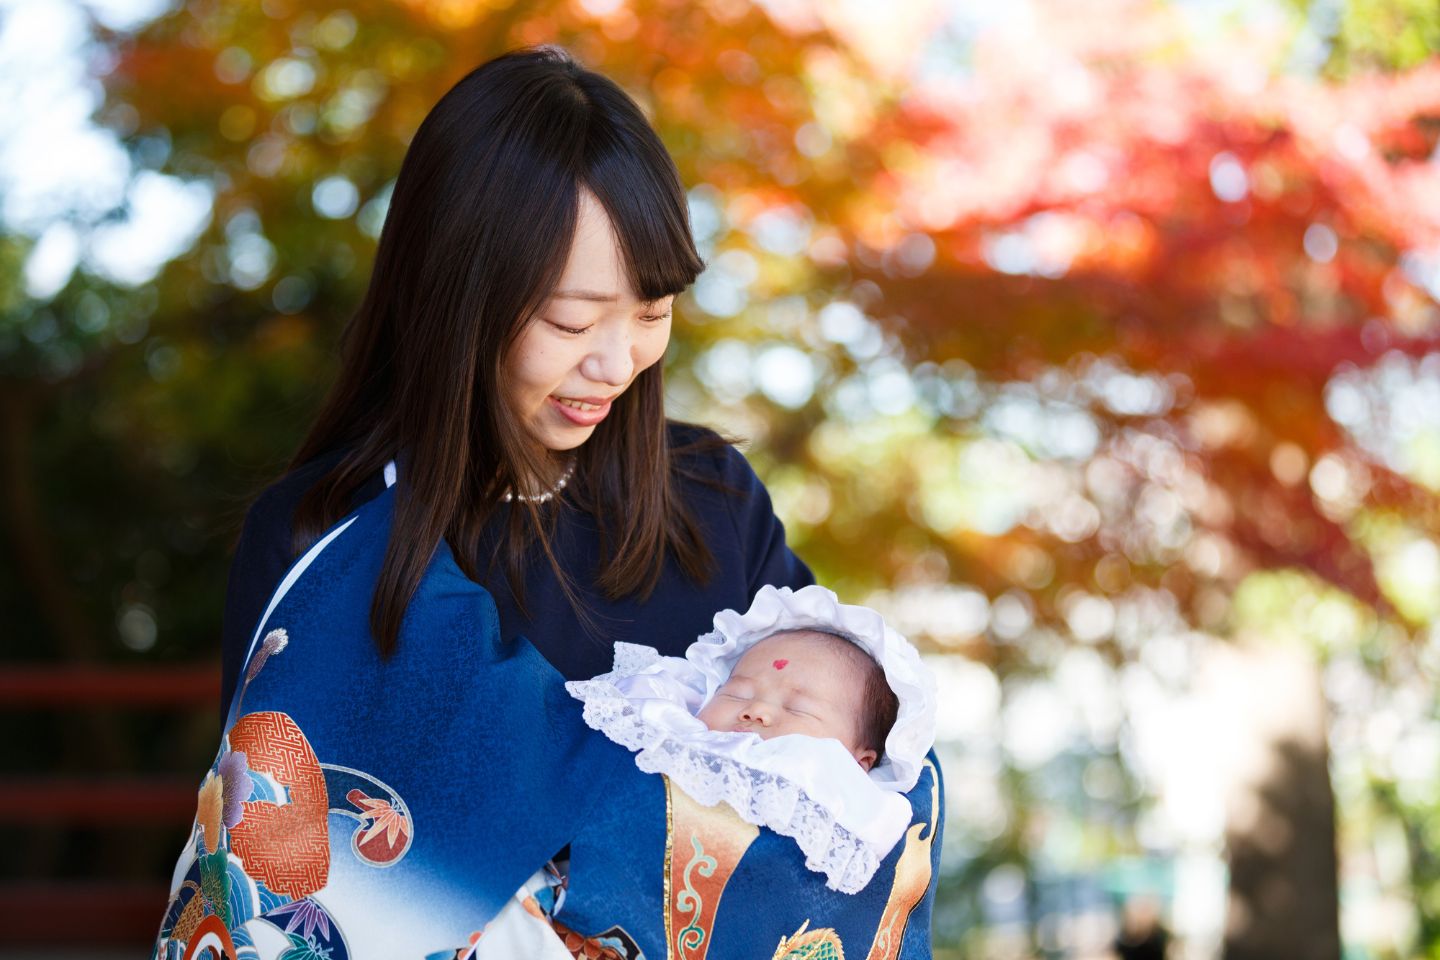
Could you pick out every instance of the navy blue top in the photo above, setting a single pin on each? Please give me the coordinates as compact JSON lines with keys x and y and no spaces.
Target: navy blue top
{"x":746,"y":540}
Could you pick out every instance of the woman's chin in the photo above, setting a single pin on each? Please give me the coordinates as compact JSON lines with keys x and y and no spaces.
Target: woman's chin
{"x":562,"y":437}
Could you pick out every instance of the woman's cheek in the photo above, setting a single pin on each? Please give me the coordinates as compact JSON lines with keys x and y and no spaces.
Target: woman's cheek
{"x":655,"y":342}
{"x":526,"y":372}
{"x":529,"y":398}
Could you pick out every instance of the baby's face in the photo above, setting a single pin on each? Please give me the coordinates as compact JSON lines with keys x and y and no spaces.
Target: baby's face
{"x":793,"y":682}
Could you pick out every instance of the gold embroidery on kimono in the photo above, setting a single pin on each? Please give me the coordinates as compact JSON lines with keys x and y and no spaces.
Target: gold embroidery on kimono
{"x":703,"y":845}
{"x":912,"y":878}
{"x":804,"y":944}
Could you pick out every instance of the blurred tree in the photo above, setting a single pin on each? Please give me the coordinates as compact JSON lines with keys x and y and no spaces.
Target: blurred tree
{"x":1359,"y":36}
{"x":1187,"y":250}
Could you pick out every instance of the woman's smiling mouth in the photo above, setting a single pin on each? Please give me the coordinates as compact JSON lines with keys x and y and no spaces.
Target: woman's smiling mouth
{"x":583,"y":412}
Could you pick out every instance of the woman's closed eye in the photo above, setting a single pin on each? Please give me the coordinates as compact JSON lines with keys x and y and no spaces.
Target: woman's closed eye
{"x":581,"y":330}
{"x":564,"y":328}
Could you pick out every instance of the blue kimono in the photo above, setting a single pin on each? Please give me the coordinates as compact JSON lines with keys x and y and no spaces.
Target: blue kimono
{"x":362,"y":807}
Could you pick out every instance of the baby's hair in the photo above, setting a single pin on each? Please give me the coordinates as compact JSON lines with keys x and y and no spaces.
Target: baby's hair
{"x":878,"y":704}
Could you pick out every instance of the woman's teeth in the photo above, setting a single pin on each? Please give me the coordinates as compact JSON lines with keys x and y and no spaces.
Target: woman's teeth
{"x":579,"y":404}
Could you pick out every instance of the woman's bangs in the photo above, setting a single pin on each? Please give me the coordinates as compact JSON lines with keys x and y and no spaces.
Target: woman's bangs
{"x":651,"y":223}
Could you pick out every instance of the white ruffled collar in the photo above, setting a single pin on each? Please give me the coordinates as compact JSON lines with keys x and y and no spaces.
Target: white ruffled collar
{"x":845,"y":820}
{"x":780,"y":608}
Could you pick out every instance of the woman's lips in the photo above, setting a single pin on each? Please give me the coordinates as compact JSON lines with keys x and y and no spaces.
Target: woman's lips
{"x":581,"y":411}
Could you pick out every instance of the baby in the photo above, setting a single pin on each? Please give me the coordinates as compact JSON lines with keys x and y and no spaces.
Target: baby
{"x":811,"y":682}
{"x":805,"y":715}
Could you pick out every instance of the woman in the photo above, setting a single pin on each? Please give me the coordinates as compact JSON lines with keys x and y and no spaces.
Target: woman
{"x":490,"y":357}
{"x":494,"y":463}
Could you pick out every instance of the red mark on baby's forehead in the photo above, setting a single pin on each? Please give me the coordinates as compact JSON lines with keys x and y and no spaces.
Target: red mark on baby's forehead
{"x":781,"y":664}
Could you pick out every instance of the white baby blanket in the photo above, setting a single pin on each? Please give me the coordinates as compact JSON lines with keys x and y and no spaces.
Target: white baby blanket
{"x":845,"y":820}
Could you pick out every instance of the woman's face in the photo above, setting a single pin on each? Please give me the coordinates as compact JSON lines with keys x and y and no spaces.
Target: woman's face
{"x":588,"y":342}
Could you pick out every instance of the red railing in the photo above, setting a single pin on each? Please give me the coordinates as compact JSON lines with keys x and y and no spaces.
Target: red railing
{"x":62,"y":912}
{"x":180,"y":687}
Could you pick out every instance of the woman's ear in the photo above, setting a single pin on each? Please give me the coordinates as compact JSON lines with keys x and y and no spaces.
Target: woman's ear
{"x":866,"y":758}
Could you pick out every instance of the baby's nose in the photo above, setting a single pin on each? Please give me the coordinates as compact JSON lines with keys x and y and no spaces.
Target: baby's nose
{"x":756,"y":713}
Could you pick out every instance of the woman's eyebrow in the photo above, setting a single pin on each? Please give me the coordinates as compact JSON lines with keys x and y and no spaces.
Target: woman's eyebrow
{"x":599,"y":296}
{"x":594,"y":296}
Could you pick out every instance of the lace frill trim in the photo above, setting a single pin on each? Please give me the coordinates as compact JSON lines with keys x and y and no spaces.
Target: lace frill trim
{"x":763,"y":799}
{"x":631,"y":658}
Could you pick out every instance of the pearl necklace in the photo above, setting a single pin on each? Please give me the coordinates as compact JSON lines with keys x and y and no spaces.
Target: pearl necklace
{"x":548,"y":494}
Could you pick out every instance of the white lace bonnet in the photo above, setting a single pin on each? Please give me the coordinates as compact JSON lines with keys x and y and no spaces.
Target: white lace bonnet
{"x":779,"y":608}
{"x":845,"y":820}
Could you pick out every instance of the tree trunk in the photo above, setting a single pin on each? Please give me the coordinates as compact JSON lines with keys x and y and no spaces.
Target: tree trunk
{"x":1280,"y":812}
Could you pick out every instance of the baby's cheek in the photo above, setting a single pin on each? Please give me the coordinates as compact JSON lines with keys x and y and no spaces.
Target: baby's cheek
{"x":710,"y":715}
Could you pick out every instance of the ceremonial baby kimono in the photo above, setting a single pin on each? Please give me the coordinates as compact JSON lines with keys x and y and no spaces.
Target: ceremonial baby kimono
{"x":391,"y":808}
{"x":843,"y":818}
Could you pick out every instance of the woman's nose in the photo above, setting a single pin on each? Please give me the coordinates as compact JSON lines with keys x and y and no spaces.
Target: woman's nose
{"x":612,"y":361}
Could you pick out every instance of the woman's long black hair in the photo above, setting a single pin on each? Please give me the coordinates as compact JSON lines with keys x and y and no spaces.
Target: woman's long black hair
{"x":476,"y":239}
